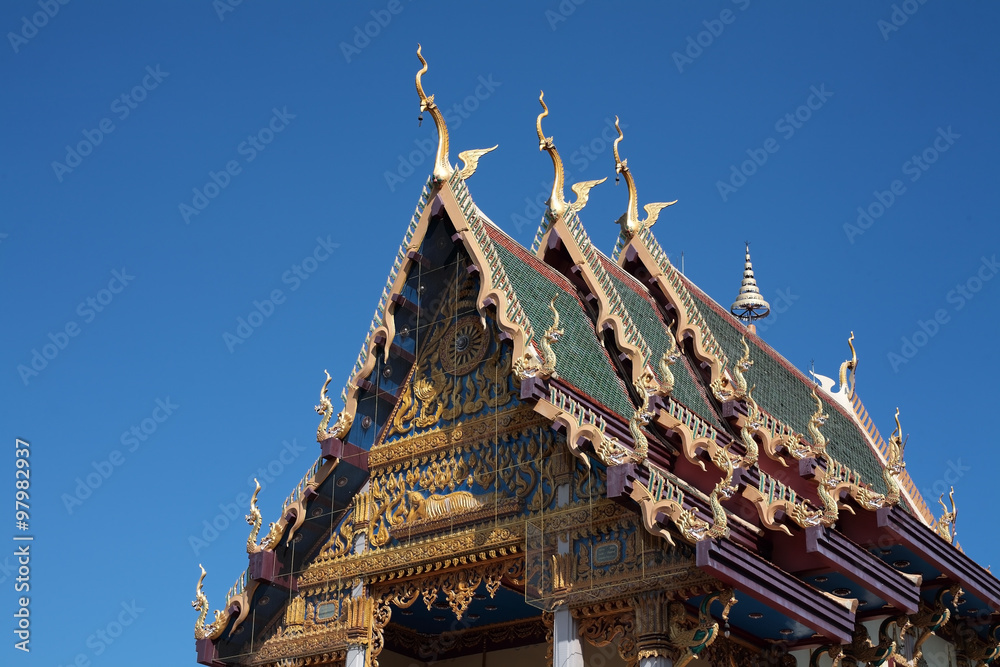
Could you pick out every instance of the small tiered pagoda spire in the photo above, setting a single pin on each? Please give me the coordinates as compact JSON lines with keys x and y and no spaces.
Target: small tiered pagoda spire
{"x":750,"y":305}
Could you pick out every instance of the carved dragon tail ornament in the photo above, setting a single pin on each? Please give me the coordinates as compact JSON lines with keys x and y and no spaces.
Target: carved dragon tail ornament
{"x":254,"y":519}
{"x":530,"y":364}
{"x":557,"y":201}
{"x":669,"y":358}
{"x":645,"y":385}
{"x":442,"y":168}
{"x":818,"y":419}
{"x":852,"y":365}
{"x":325,"y":408}
{"x":749,"y":459}
{"x":630,"y":220}
{"x":894,"y":465}
{"x":741,"y":367}
{"x":201,"y":604}
{"x":945,"y":526}
{"x":725,"y":489}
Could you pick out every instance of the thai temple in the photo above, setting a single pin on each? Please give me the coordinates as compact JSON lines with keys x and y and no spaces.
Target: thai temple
{"x":557,"y":456}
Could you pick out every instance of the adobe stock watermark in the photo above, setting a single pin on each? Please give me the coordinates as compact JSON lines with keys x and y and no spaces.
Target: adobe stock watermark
{"x":787,"y":126}
{"x":249,"y":148}
{"x":131,"y":440}
{"x":105,"y":636}
{"x":781,"y":302}
{"x":696,"y":44}
{"x":581,"y":158}
{"x":425,"y":149}
{"x":914,"y":168}
{"x":958,"y":298}
{"x":30,"y":27}
{"x":122,"y":107}
{"x":234,"y":511}
{"x":363,"y":35}
{"x":901,"y":13}
{"x":294,"y":276}
{"x":953,"y":472}
{"x":562,"y":12}
{"x":223,"y":7}
{"x":88,"y":309}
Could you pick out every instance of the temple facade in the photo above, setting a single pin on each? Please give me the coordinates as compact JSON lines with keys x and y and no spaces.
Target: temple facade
{"x":564,"y":457}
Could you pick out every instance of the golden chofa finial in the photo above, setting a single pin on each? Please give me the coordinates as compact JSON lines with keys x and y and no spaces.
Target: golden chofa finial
{"x":442,"y":168}
{"x":630,"y":220}
{"x":557,"y":202}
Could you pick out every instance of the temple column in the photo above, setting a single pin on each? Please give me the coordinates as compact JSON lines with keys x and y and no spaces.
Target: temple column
{"x":566,"y":648}
{"x":651,"y":630}
{"x":357,"y":653}
{"x":567,"y":651}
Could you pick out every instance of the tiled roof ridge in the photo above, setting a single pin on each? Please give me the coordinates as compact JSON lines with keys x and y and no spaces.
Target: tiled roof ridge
{"x":516,"y":248}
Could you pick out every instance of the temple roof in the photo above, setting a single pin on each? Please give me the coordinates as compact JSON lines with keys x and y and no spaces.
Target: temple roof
{"x":643,"y":373}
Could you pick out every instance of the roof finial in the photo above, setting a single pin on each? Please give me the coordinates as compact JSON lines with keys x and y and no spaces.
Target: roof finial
{"x":442,"y":168}
{"x":557,"y":201}
{"x":630,"y":220}
{"x":749,"y":306}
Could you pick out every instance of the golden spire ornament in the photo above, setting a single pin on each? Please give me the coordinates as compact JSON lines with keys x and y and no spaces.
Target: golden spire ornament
{"x":630,"y":220}
{"x":750,"y":305}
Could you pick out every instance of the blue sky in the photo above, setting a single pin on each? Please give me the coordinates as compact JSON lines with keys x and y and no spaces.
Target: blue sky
{"x":300,"y":132}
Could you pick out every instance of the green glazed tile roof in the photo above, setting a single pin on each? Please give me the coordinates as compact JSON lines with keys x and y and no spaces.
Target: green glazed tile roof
{"x":787,"y":394}
{"x":654,"y":331}
{"x":581,"y":360}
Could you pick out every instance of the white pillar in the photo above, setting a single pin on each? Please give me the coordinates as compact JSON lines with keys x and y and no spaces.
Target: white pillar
{"x":566,"y":648}
{"x":355,"y":656}
{"x":656,"y":661}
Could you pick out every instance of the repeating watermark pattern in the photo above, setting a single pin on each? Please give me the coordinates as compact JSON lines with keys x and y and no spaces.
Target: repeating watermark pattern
{"x":786,"y":126}
{"x":781,"y":302}
{"x":223,"y":7}
{"x":103,"y":637}
{"x":233,"y":512}
{"x":30,"y":27}
{"x":262,"y":310}
{"x":249,"y":148}
{"x":363,"y":35}
{"x":122,"y":106}
{"x":88,"y":309}
{"x":696,"y":44}
{"x":958,"y":298}
{"x":454,"y":116}
{"x":901,"y":13}
{"x":953,"y":472}
{"x":562,"y":12}
{"x":914,"y":168}
{"x":581,"y":158}
{"x":131,"y":440}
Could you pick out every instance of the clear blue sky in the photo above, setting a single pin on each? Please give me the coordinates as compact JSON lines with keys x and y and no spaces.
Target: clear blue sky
{"x":340,"y":113}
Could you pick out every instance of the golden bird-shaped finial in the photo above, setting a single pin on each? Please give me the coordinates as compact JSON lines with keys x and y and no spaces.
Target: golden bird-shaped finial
{"x":470,"y":160}
{"x":630,"y":220}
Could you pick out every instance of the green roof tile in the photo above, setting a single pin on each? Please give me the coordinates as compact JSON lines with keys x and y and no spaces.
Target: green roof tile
{"x":581,"y":360}
{"x":787,"y":394}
